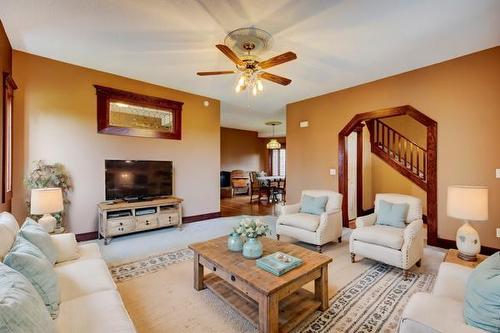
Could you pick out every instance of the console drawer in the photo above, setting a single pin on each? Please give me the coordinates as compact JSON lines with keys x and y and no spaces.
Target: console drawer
{"x":119,"y":230}
{"x":120,"y":222}
{"x":146,"y":222}
{"x":168,"y":219}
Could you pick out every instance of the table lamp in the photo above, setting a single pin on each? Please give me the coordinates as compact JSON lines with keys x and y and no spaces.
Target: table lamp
{"x":46,"y":201}
{"x":468,"y":203}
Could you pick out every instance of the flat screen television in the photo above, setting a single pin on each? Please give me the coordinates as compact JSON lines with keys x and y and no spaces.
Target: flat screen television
{"x":138,"y":180}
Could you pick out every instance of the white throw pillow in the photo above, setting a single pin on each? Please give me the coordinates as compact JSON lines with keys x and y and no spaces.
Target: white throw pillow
{"x":66,"y":246}
{"x":8,"y":230}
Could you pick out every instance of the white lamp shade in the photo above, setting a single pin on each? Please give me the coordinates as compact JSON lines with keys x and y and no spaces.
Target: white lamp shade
{"x":46,"y":201}
{"x":468,"y":202}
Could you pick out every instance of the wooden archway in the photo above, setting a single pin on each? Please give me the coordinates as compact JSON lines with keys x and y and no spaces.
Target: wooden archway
{"x":431,"y":126}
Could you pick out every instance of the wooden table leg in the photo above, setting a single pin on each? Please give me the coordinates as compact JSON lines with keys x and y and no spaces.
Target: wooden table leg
{"x":321,"y":288}
{"x":268,"y":314}
{"x":198,"y":273}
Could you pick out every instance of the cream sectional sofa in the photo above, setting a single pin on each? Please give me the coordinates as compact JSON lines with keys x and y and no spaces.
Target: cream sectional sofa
{"x":442,"y":310}
{"x":90,"y":302}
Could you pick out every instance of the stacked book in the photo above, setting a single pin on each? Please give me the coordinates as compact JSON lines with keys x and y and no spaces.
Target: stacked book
{"x":278,"y":263}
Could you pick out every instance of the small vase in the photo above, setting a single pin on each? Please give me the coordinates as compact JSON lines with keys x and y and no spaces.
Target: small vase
{"x":234,"y":242}
{"x":252,"y":248}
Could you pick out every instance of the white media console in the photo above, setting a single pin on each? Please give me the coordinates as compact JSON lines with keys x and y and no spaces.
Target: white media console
{"x":120,"y":218}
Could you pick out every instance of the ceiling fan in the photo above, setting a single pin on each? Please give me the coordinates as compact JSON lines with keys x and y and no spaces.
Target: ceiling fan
{"x":249,"y":42}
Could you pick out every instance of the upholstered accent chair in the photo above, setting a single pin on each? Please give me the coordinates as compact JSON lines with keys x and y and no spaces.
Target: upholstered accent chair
{"x":400,"y":247}
{"x":309,"y":228}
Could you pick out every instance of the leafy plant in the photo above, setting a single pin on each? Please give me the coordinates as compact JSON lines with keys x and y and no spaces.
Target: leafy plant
{"x":45,"y":175}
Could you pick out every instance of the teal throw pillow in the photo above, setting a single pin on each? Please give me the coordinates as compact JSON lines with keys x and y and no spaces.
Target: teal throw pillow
{"x":30,"y":261}
{"x":392,"y":214}
{"x":482,"y":295}
{"x":38,"y":236}
{"x":313,"y":205}
{"x":21,"y":308}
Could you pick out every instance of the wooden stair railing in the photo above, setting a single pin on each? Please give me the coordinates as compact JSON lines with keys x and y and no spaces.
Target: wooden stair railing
{"x":398,"y":151}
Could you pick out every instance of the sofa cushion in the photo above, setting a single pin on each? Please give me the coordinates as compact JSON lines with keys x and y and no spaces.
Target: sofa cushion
{"x":482,"y":295}
{"x":392,"y":214}
{"x":313,"y":205}
{"x":21,"y":308}
{"x":83,"y":277}
{"x":38,"y":236}
{"x":301,"y":220}
{"x":30,"y":261}
{"x":100,"y":312}
{"x":380,"y":235}
{"x":66,"y":247}
{"x":8,"y":230}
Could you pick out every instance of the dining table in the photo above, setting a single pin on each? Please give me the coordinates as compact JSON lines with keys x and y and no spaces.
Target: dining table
{"x":267,"y":181}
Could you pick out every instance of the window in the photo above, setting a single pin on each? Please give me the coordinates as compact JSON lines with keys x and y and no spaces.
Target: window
{"x":8,"y":93}
{"x":278,"y":162}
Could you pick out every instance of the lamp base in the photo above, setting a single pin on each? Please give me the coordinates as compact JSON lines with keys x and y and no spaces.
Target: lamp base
{"x":466,"y":257}
{"x":48,"y":222}
{"x":468,"y":243}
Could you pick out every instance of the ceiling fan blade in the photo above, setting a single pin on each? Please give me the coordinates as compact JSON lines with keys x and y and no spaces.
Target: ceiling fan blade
{"x":230,"y":54}
{"x":275,"y":78}
{"x":279,"y":59}
{"x":215,"y":73}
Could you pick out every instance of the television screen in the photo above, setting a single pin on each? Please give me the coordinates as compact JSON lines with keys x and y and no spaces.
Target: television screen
{"x":138,"y":179}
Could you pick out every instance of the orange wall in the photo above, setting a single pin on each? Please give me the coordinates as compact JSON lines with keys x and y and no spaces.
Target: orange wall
{"x":55,"y":119}
{"x":462,"y":95}
{"x":241,"y":150}
{"x":5,"y":67}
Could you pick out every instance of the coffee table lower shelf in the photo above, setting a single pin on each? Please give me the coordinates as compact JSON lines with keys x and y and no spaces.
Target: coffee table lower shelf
{"x":293,"y":309}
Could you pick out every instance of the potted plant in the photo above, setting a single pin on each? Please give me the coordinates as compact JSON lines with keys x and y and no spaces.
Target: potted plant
{"x":45,"y":175}
{"x":252,"y":229}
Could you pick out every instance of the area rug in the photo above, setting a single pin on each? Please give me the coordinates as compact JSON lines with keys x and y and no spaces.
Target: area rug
{"x":373,"y":302}
{"x":368,"y":297}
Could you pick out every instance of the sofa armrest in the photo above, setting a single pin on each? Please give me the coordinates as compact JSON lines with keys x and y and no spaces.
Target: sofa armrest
{"x":413,"y":244}
{"x":66,"y":247}
{"x":290,"y":209}
{"x":434,"y":314}
{"x":365,"y":221}
{"x":451,"y":281}
{"x":330,"y":226}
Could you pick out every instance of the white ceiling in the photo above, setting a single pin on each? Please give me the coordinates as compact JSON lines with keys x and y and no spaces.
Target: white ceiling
{"x":339,"y":44}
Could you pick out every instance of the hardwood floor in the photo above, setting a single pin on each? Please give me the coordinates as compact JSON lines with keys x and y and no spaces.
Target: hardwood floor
{"x":240,"y":205}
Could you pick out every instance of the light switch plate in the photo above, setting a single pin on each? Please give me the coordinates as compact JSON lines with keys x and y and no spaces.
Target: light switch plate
{"x":498,"y":173}
{"x":304,"y":124}
{"x":498,"y":232}
{"x":332,"y":172}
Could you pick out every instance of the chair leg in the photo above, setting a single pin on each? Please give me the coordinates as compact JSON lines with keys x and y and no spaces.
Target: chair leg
{"x":419,"y":263}
{"x":340,"y":239}
{"x":319,"y":248}
{"x":405,"y":274}
{"x":277,"y":237}
{"x":353,"y":258}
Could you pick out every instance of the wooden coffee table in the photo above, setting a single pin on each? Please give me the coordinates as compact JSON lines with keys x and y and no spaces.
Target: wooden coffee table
{"x":271,"y":303}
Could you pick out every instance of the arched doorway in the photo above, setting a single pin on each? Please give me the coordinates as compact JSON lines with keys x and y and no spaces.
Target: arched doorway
{"x":431,"y":166}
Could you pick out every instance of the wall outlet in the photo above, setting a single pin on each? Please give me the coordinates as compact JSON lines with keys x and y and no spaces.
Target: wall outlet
{"x":304,"y":124}
{"x":332,"y":172}
{"x":498,"y":173}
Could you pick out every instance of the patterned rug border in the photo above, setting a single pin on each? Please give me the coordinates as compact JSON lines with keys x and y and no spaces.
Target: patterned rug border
{"x":150,"y":264}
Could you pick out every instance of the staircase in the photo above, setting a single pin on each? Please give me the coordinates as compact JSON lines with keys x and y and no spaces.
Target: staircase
{"x":398,"y":151}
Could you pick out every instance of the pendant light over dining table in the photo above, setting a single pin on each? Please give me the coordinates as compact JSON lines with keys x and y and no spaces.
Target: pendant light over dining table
{"x":273,"y":143}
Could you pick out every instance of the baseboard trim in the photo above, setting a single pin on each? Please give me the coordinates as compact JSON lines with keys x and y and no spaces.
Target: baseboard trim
{"x":186,"y":219}
{"x":86,"y":236}
{"x":451,"y":244}
{"x":201,"y":217}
